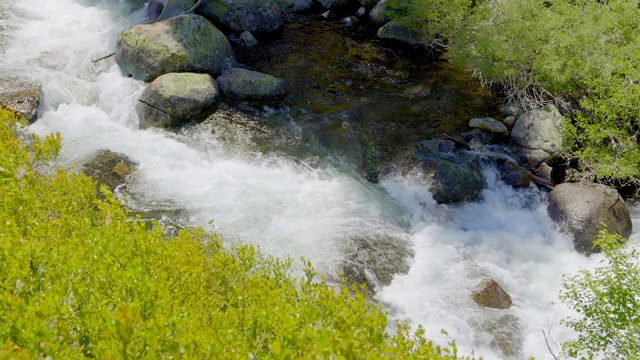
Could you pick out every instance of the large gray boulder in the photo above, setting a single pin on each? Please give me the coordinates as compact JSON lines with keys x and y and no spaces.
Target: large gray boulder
{"x":489,"y":124}
{"x":537,"y":134}
{"x":176,"y":97}
{"x":256,"y":16}
{"x":185,"y":43}
{"x":400,"y":33}
{"x":24,"y":100}
{"x":579,"y":209}
{"x":241,"y":84}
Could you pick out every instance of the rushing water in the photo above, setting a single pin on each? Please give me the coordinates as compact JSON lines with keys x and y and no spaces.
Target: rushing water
{"x":292,"y":205}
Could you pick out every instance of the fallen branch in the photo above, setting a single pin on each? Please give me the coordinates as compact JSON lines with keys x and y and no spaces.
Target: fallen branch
{"x":460,"y":142}
{"x":194,"y":7}
{"x":154,"y":107}
{"x":540,"y":181}
{"x":104,"y":57}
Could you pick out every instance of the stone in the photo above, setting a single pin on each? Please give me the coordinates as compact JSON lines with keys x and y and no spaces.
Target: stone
{"x":509,"y":121}
{"x":24,"y":100}
{"x":489,"y":294}
{"x":544,"y":172}
{"x":185,"y":43}
{"x":108,"y":168}
{"x":393,"y":31}
{"x":518,"y":177}
{"x":327,"y":4}
{"x":580,"y":208}
{"x":247,"y":39}
{"x":256,"y":16}
{"x":454,"y":182}
{"x":294,"y":5}
{"x":360,"y":12}
{"x":350,"y":21}
{"x":490,"y":125}
{"x":538,"y":135}
{"x":511,"y":110}
{"x":154,"y":9}
{"x":241,"y":84}
{"x":174,"y":98}
{"x":174,"y":8}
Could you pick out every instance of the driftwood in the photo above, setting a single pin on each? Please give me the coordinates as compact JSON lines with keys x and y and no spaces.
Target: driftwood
{"x":157,"y":108}
{"x":104,"y":57}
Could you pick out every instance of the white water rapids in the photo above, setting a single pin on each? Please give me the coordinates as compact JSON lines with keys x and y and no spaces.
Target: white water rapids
{"x":288,"y":207}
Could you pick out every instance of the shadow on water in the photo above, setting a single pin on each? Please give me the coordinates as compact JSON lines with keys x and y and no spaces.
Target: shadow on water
{"x":362,"y":99}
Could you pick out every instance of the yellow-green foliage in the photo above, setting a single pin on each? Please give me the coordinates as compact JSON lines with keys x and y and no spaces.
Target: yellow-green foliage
{"x":79,"y":279}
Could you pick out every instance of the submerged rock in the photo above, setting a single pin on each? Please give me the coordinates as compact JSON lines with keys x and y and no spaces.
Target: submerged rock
{"x":579,"y":209}
{"x":489,"y":294}
{"x":185,"y":43}
{"x":241,"y":84}
{"x":538,"y":134}
{"x":108,"y":168}
{"x":24,"y":100}
{"x":177,"y":97}
{"x":506,"y":335}
{"x":454,"y":182}
{"x":256,"y":16}
{"x":489,"y":124}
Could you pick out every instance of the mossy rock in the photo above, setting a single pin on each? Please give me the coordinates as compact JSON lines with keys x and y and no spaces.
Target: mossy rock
{"x":386,"y":10}
{"x":25,"y":101}
{"x":174,"y":98}
{"x":246,"y":85}
{"x":108,"y":168}
{"x":454,"y":182}
{"x":185,"y":43}
{"x":489,"y":294}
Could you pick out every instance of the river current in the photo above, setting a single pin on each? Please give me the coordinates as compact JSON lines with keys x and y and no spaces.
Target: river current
{"x":292,"y":207}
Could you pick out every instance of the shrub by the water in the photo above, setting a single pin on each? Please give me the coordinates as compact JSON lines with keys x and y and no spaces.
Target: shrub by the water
{"x":79,"y":279}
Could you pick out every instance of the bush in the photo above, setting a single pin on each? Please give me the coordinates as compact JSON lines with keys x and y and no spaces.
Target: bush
{"x":608,"y":300}
{"x":79,"y":279}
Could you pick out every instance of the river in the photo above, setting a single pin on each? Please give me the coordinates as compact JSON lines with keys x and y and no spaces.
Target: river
{"x":294,"y":205}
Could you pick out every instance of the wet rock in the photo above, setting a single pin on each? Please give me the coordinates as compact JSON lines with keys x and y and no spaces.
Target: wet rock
{"x":399,"y":33}
{"x":511,"y":110}
{"x":544,"y":172}
{"x":247,"y":39}
{"x":154,"y":9}
{"x":374,"y":260}
{"x":509,"y":121}
{"x":518,"y":177}
{"x":175,"y":98}
{"x":327,"y":4}
{"x":482,"y":136}
{"x":454,"y":182}
{"x":174,"y":8}
{"x":538,"y":134}
{"x":256,"y":16}
{"x":108,"y":168}
{"x":360,"y":12}
{"x":350,"y":21}
{"x":294,"y":5}
{"x":185,"y":43}
{"x":489,"y":294}
{"x":580,"y":208}
{"x":489,"y":124}
{"x":24,"y":100}
{"x":506,"y":335}
{"x":241,"y":84}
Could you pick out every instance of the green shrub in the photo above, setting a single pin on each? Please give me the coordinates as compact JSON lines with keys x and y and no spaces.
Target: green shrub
{"x":608,"y":302}
{"x":79,"y":279}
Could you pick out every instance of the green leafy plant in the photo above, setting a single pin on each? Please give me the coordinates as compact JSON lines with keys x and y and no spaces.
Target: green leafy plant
{"x":608,"y":302}
{"x":80,"y":279}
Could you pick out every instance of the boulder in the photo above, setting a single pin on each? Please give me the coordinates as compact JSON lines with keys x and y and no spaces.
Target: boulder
{"x":24,"y":100}
{"x":108,"y":168}
{"x":294,"y":5}
{"x":518,"y":177}
{"x":454,"y":182}
{"x":256,"y":16}
{"x":175,"y":98}
{"x":247,"y":39}
{"x":383,"y":12}
{"x":399,"y":33}
{"x":538,"y":134}
{"x":579,"y":209}
{"x":327,"y":4}
{"x":174,"y":8}
{"x":241,"y":84}
{"x":490,"y":125}
{"x":509,"y":121}
{"x":489,"y":294}
{"x":185,"y":43}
